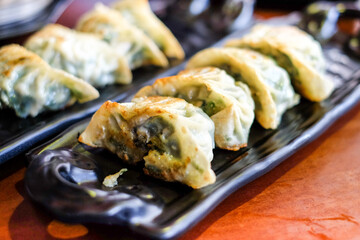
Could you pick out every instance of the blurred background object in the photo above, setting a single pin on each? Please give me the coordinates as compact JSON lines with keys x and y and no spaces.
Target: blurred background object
{"x":289,"y":4}
{"x":206,"y":21}
{"x":218,"y":15}
{"x":12,"y":11}
{"x":18,"y":17}
{"x":322,"y":20}
{"x":196,"y":23}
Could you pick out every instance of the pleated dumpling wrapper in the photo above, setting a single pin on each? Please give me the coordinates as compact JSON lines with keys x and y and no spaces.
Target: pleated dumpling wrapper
{"x":297,"y":52}
{"x":30,"y":86}
{"x":269,"y":84}
{"x":81,"y":54}
{"x":229,"y":106}
{"x":139,"y":13}
{"x":173,"y":137}
{"x":124,"y":37}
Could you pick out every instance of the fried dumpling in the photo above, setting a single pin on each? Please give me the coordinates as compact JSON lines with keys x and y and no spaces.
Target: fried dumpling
{"x":124,"y":37}
{"x":269,"y":84}
{"x":230,"y":107}
{"x":173,"y":137}
{"x":297,"y":52}
{"x":81,"y":54}
{"x":139,"y":13}
{"x":30,"y":86}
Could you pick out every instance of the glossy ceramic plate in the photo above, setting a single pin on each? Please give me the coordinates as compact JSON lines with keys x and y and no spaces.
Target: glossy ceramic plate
{"x":66,"y":178}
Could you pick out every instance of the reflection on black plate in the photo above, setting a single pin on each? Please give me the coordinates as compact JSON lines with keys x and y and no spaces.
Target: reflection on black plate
{"x":66,"y":178}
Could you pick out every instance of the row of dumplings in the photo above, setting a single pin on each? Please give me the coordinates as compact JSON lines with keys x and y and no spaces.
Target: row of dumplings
{"x":174,"y":124}
{"x":60,"y":66}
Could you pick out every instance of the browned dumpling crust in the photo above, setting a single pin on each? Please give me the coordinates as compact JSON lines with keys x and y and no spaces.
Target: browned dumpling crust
{"x":173,"y":137}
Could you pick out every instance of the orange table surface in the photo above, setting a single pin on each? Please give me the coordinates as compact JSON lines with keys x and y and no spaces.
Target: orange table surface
{"x":314,"y":194}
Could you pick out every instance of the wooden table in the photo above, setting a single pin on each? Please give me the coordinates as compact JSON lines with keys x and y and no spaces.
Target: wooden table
{"x":314,"y":194}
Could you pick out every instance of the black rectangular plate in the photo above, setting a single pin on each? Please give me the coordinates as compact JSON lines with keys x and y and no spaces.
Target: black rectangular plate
{"x":66,"y":179}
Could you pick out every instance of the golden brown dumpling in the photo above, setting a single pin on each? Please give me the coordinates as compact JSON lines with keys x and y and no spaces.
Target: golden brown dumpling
{"x":269,"y":84}
{"x":294,"y":50}
{"x":229,"y":106}
{"x":173,"y":137}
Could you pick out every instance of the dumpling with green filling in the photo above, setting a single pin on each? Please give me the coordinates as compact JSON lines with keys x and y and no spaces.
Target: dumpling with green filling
{"x":30,"y":86}
{"x":139,"y":13}
{"x":230,"y":107}
{"x":269,"y":84}
{"x":297,"y":52}
{"x":124,"y":37}
{"x":173,"y":137}
{"x":81,"y":54}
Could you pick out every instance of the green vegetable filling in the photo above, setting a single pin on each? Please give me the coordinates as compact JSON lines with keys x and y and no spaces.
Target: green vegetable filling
{"x":282,"y":60}
{"x":209,"y":108}
{"x":157,"y":133}
{"x":235,"y":74}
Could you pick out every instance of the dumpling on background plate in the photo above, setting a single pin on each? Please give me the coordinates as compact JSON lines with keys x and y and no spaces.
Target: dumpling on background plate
{"x":269,"y":84}
{"x":30,"y":86}
{"x":139,"y":13}
{"x":229,"y":106}
{"x":81,"y":54}
{"x":294,"y":50}
{"x":173,"y":137}
{"x":124,"y":37}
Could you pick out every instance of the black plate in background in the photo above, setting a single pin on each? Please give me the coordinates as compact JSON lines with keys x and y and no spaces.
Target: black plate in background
{"x":19,"y":135}
{"x":66,"y":179}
